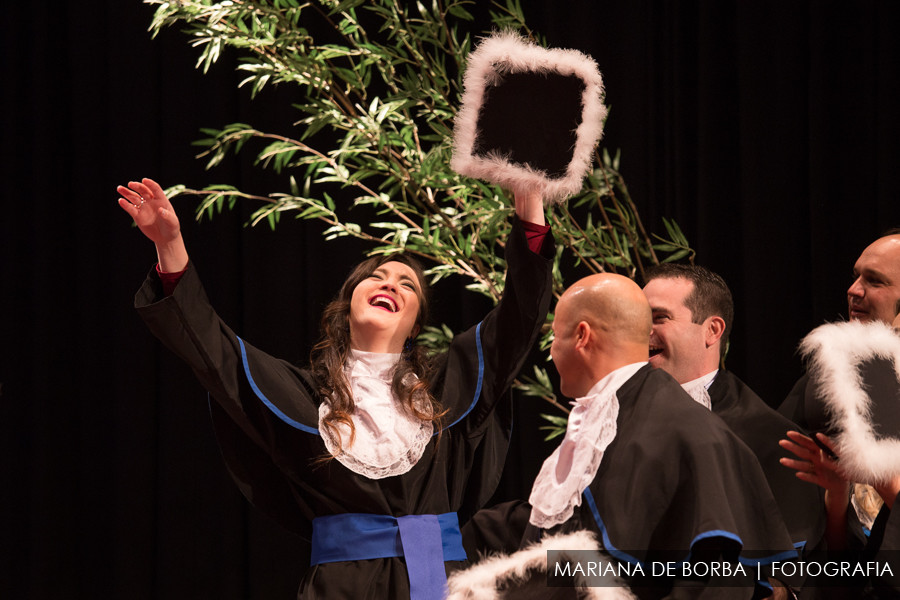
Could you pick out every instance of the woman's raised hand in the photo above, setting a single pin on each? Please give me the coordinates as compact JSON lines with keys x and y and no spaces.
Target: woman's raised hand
{"x":152,"y":212}
{"x":816,"y":465}
{"x":813,"y":464}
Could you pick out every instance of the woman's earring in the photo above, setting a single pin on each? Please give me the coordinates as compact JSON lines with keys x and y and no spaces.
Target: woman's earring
{"x":408,"y":345}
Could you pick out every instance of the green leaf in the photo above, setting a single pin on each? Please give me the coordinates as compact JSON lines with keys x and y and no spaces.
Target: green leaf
{"x":676,"y":256}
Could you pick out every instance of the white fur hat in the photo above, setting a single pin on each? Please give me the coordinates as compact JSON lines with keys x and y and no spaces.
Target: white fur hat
{"x":530,"y":118}
{"x":854,"y":369}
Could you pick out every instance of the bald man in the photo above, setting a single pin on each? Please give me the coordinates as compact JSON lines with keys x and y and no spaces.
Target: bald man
{"x":655,"y":475}
{"x":874,"y":295}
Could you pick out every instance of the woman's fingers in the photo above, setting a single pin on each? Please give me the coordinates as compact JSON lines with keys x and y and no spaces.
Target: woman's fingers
{"x":147,"y":204}
{"x":813,"y":465}
{"x":806,"y":470}
{"x":797,"y":465}
{"x":805,"y":450}
{"x":804,"y":441}
{"x":796,"y":449}
{"x":142,"y":190}
{"x":827,"y":441}
{"x":128,"y":207}
{"x":800,"y":438}
{"x":131,"y":196}
{"x":155,"y":190}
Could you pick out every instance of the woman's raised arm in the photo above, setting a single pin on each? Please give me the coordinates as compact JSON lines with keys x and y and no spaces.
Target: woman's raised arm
{"x":530,"y":207}
{"x":152,"y":212}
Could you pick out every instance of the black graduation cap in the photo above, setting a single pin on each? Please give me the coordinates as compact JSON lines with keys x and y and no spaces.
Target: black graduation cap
{"x":530,"y":118}
{"x":854,"y":395}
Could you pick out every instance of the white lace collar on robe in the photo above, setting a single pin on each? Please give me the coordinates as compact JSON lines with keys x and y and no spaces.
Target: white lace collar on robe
{"x":573,"y":465}
{"x":698,"y":389}
{"x":388,"y":441}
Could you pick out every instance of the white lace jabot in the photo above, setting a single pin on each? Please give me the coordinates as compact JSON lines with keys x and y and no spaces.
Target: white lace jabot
{"x":698,"y":389}
{"x":388,"y":440}
{"x":573,"y":465}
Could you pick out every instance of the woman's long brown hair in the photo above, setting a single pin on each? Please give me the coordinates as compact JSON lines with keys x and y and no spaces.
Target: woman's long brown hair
{"x":329,"y":355}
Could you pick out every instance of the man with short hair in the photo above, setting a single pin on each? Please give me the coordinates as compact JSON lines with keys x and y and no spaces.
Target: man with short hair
{"x":693,"y":313}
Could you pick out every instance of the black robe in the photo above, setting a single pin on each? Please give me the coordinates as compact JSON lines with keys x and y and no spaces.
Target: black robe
{"x":803,"y":408}
{"x":266,"y":418}
{"x":675,"y":484}
{"x":761,"y":427}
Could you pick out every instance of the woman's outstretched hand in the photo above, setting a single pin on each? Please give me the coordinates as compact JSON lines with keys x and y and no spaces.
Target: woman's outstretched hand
{"x":152,"y":212}
{"x":813,"y":464}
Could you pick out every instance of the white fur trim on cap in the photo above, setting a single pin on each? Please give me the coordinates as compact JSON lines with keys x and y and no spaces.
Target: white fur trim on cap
{"x":835,"y":352}
{"x":508,"y":52}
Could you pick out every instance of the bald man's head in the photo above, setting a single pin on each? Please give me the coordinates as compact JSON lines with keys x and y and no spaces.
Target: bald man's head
{"x":875,"y":292}
{"x":602,"y":322}
{"x":612,"y":303}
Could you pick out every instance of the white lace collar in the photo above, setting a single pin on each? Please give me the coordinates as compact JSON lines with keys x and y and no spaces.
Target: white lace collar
{"x":698,"y":389}
{"x":573,"y":465}
{"x":388,"y":441}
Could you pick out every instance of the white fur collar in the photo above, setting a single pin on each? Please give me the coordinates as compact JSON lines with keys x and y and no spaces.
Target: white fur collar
{"x":835,"y":352}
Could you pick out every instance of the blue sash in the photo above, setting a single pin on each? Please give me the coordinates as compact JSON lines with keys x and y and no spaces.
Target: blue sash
{"x":425,"y":541}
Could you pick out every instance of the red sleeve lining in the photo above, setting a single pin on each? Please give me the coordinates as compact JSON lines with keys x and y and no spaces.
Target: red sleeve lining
{"x":535,"y":235}
{"x":169,"y":280}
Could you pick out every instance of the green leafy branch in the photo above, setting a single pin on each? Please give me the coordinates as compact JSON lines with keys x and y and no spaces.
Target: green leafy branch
{"x":369,"y":150}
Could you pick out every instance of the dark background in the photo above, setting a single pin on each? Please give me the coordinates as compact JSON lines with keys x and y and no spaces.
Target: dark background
{"x":766,"y":129}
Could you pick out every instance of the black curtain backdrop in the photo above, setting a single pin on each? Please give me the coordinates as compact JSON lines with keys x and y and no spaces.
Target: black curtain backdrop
{"x":766,"y":129}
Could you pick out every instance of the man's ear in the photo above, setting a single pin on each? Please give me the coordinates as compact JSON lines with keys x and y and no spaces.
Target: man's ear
{"x":582,"y":334}
{"x":713,"y":328}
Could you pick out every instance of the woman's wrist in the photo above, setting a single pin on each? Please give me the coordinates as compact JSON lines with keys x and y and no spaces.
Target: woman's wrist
{"x":530,"y":207}
{"x":172,"y":256}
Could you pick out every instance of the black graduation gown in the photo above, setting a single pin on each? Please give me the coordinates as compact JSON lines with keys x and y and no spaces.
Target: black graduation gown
{"x":804,"y":408}
{"x":878,"y":555}
{"x":675,"y":484}
{"x":266,"y":418}
{"x":761,"y":427}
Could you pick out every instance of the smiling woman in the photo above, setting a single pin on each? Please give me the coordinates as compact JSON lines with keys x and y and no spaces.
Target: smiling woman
{"x":374,"y":453}
{"x":379,"y":310}
{"x":387,"y":293}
